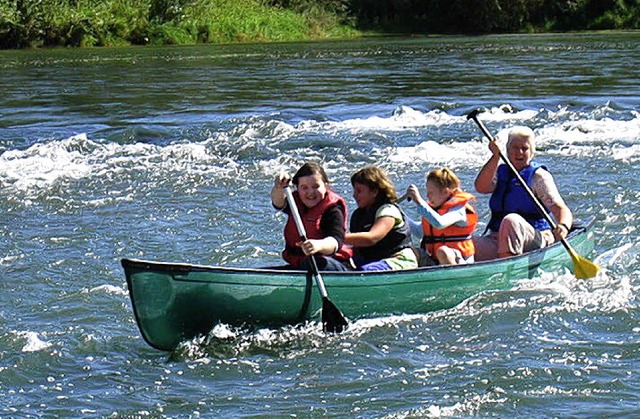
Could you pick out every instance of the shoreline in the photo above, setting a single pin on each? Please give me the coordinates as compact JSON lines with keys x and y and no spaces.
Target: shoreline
{"x":38,"y":24}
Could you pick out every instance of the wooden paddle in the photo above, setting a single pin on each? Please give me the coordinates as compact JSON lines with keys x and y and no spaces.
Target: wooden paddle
{"x":582,"y":268}
{"x":332,"y":319}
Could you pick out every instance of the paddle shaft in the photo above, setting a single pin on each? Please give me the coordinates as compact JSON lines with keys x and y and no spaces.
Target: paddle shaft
{"x":403,"y":197}
{"x":303,"y":236}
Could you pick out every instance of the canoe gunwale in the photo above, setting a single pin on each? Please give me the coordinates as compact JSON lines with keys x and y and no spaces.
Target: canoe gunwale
{"x":185,"y":268}
{"x":173,"y":302}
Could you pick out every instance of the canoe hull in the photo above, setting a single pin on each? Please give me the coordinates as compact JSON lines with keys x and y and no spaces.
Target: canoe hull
{"x":175,"y":302}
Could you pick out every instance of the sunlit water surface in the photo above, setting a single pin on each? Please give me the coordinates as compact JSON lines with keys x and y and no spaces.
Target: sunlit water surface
{"x":169,"y":154}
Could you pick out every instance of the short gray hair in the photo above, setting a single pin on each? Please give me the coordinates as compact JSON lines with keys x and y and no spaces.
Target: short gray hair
{"x":522,"y":132}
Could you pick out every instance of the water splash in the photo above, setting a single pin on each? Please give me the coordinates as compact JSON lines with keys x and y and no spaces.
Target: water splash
{"x":46,"y":170}
{"x":226,"y":342}
{"x":32,"y":343}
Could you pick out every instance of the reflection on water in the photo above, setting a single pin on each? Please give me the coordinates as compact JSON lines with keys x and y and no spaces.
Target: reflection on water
{"x":169,"y":154}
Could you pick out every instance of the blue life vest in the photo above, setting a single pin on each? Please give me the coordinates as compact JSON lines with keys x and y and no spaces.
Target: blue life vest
{"x":511,"y":197}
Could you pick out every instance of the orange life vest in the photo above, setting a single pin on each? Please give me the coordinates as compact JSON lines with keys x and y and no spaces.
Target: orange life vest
{"x":311,"y":218}
{"x":453,"y":236}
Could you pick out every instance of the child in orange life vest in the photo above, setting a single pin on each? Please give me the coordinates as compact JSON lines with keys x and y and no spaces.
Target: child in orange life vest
{"x":448,"y":219}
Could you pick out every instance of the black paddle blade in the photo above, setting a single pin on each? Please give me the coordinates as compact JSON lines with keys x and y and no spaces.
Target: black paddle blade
{"x":332,"y":319}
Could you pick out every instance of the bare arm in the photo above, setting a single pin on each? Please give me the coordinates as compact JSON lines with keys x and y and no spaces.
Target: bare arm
{"x":332,"y":225}
{"x":546,"y":190}
{"x":380,"y":228}
{"x":326,"y":246}
{"x":486,"y":179}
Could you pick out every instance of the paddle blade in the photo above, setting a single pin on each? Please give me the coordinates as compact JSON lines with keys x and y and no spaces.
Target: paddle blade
{"x":583,"y":268}
{"x":332,"y":319}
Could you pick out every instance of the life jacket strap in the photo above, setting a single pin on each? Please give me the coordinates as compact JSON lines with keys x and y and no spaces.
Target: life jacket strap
{"x":443,"y":239}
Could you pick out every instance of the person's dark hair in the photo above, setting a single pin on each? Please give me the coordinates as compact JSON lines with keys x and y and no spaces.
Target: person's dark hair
{"x":310,"y":169}
{"x":376,"y":179}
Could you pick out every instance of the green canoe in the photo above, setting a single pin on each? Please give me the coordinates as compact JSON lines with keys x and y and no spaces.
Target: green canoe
{"x":176,"y":302}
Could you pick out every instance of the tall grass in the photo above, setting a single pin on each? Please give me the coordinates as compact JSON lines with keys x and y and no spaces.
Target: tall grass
{"x":25,"y":23}
{"x":34,"y":23}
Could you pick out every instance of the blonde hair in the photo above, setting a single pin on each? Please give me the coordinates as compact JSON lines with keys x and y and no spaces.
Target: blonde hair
{"x":376,"y":179}
{"x":444,"y":178}
{"x":525,"y":133}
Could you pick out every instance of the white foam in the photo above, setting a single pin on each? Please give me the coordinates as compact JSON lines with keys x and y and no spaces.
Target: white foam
{"x":41,"y":165}
{"x":599,"y":131}
{"x":432,"y":153}
{"x":506,"y":113}
{"x":610,"y":257}
{"x":108,"y":289}
{"x":468,"y":407}
{"x":603,"y":293}
{"x":44,"y":169}
{"x":402,"y":118}
{"x":33,"y":342}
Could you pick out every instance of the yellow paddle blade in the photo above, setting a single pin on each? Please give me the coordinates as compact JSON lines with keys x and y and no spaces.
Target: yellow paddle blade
{"x":583,"y":268}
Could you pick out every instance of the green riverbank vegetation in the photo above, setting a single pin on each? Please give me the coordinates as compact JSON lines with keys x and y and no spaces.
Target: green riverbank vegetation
{"x":83,"y":23}
{"x":35,"y":23}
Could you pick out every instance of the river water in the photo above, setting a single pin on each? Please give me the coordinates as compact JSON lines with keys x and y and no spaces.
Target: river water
{"x":169,"y":154}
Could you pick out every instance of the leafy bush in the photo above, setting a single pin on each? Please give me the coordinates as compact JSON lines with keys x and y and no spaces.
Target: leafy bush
{"x":33,"y":23}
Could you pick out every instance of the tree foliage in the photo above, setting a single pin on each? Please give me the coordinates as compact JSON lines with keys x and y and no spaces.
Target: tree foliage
{"x":25,"y":23}
{"x":488,"y":16}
